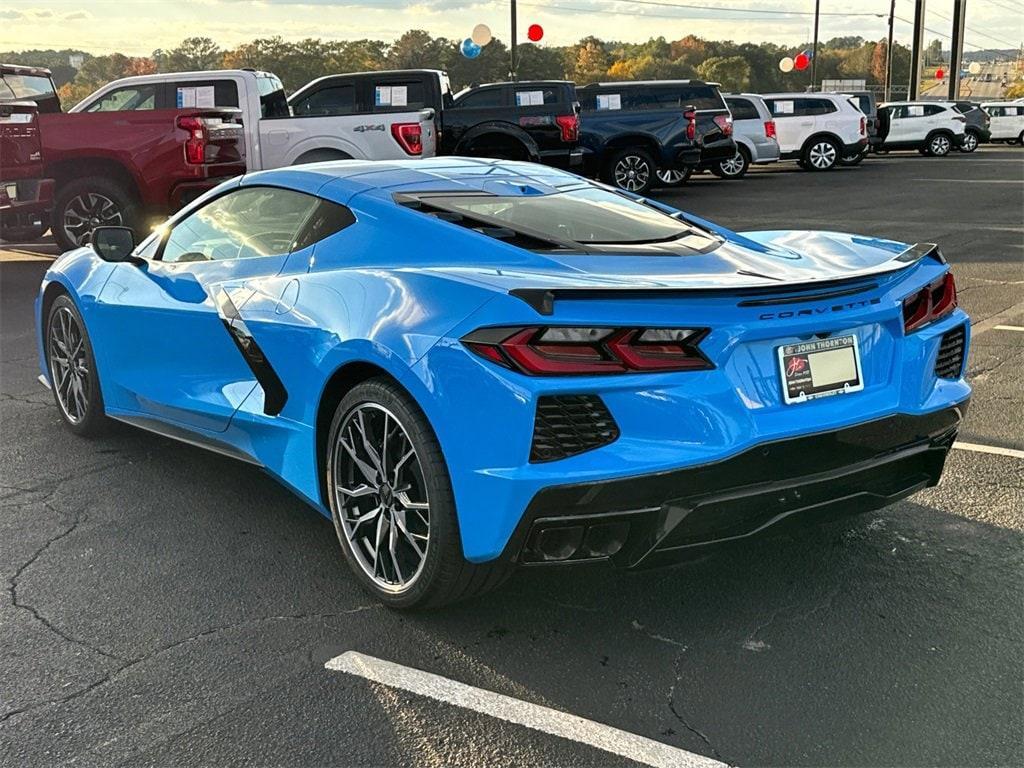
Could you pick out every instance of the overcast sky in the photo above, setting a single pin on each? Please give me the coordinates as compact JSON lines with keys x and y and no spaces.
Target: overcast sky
{"x":140,"y":26}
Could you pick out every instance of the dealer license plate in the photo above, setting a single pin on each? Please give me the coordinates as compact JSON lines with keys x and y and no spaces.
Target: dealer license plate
{"x":820,"y":368}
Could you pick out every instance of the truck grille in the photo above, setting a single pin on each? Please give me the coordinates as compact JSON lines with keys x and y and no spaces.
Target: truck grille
{"x":951,"y":354}
{"x":567,"y":425}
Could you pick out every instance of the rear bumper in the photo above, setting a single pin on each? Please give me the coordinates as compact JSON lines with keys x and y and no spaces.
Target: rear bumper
{"x":566,"y":159}
{"x":658,"y":518}
{"x":30,"y":196}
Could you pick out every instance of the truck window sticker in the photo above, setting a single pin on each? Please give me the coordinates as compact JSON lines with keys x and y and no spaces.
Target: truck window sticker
{"x":783,"y":108}
{"x":609,"y":101}
{"x":529,"y":98}
{"x":399,"y":95}
{"x":382,"y":96}
{"x":186,"y":97}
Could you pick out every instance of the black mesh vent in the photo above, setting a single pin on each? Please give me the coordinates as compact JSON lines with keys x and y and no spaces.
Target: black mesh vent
{"x":570,"y":424}
{"x":951,"y":354}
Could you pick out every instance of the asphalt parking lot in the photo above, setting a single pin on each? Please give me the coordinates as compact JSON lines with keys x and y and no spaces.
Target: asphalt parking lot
{"x":169,"y":606}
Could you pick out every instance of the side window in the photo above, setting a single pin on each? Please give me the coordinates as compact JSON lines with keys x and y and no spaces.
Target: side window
{"x":639,"y":99}
{"x":204,"y":93}
{"x":334,"y":100}
{"x":327,"y":219}
{"x":399,"y":96}
{"x":491,"y":97}
{"x":914,"y":110}
{"x":898,"y":112}
{"x":933,"y":109}
{"x":782,"y":107}
{"x":536,"y":97}
{"x":128,"y":99}
{"x":996,"y":111}
{"x":816,"y":107}
{"x":246,"y":223}
{"x":742,"y":109}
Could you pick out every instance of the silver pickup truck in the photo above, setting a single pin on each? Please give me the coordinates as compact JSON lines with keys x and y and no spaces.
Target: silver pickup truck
{"x":275,"y":136}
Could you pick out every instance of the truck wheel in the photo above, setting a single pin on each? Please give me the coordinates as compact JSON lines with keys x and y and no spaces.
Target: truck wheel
{"x":632,"y":170}
{"x":84,"y":204}
{"x":675,"y":177}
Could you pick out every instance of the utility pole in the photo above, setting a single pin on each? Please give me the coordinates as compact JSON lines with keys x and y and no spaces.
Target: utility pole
{"x":814,"y":49}
{"x":514,"y":62}
{"x":888,"y":54}
{"x":956,"y":48}
{"x":916,"y":50}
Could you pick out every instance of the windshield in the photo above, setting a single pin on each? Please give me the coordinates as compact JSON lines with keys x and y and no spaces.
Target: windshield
{"x":588,"y":215}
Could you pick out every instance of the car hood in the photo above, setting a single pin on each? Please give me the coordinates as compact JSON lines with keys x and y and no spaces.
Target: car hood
{"x":742,"y":260}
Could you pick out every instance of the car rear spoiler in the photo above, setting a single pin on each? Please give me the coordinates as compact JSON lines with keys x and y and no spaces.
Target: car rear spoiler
{"x":543,"y":299}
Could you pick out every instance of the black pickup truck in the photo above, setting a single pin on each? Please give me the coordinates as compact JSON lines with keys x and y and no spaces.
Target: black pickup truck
{"x":527,"y":120}
{"x":631,"y":130}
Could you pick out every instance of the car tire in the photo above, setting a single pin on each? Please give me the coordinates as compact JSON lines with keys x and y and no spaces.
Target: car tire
{"x":71,"y":366}
{"x":820,"y":154}
{"x":939,"y":145}
{"x":84,"y":204}
{"x":735,"y":167}
{"x":970,"y":143}
{"x":408,"y":501}
{"x":857,"y":159}
{"x":673,"y":177}
{"x":632,"y":170}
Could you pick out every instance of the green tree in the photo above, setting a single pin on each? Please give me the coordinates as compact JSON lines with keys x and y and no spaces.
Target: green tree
{"x":733,"y":72}
{"x":539,"y":63}
{"x":416,"y":49}
{"x":587,"y":61}
{"x":191,"y":55}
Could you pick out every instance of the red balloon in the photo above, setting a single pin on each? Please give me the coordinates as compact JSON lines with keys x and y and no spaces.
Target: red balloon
{"x":940,"y":73}
{"x":535,"y":32}
{"x":801,"y":60}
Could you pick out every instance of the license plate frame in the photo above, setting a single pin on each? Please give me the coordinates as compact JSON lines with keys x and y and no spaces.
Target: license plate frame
{"x":830,"y":366}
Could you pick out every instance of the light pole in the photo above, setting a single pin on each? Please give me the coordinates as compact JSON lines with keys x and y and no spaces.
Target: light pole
{"x":888,"y":53}
{"x":513,"y":49}
{"x":814,"y":49}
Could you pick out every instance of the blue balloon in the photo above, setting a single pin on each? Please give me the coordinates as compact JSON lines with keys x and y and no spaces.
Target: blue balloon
{"x":469,"y":49}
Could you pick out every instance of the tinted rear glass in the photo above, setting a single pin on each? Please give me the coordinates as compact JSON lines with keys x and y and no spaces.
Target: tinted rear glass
{"x":491,"y":97}
{"x":742,"y":109}
{"x":25,"y":86}
{"x":273,"y":102}
{"x":644,"y":97}
{"x":336,"y":100}
{"x":587,"y":215}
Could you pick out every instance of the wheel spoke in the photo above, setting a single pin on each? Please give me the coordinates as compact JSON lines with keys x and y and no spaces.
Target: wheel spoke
{"x":370,"y":451}
{"x":355,"y":493}
{"x":366,"y":469}
{"x":403,"y":499}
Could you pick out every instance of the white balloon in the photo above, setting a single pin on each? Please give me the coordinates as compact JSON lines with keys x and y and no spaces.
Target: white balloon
{"x":974,"y":68}
{"x":481,"y":34}
{"x":786,"y":64}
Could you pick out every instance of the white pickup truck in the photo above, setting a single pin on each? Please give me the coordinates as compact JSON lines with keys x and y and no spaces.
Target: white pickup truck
{"x":273,"y":136}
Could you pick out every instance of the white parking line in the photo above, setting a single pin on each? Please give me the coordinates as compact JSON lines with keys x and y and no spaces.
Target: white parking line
{"x":979,"y":448}
{"x":535,"y":716}
{"x":1009,"y":328}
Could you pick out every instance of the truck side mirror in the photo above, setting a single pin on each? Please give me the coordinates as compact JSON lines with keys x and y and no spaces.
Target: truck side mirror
{"x":113,"y":243}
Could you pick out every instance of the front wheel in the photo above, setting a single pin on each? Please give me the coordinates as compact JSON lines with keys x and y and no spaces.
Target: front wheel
{"x":392,"y":503}
{"x":72,"y":369}
{"x":970,"y":142}
{"x":632,"y":170}
{"x":821,"y":155}
{"x":734,"y":168}
{"x":939,"y":145}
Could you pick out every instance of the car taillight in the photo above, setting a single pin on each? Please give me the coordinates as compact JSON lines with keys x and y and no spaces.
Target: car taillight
{"x":691,"y":124}
{"x":725,"y":123}
{"x":863,"y":127}
{"x":570,"y":126}
{"x":573,"y":351}
{"x":409,"y":137}
{"x":195,"y":144}
{"x":929,"y":304}
{"x":769,"y":129}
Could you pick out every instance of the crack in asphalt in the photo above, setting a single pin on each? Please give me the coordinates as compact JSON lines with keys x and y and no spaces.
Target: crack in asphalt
{"x":132,"y":663}
{"x":12,"y":586}
{"x":682,"y":720}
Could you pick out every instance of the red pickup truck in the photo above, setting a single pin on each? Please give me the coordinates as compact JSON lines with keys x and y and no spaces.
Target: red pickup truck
{"x":111,"y":166}
{"x":26,"y":196}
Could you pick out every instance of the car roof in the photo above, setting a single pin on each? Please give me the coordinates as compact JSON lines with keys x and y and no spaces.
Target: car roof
{"x":799,"y":94}
{"x":18,"y":69}
{"x":1015,"y":103}
{"x":634,"y":83}
{"x":918,"y":103}
{"x":340,"y":180}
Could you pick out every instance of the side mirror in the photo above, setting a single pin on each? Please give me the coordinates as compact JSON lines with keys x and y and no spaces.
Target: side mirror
{"x":113,"y":243}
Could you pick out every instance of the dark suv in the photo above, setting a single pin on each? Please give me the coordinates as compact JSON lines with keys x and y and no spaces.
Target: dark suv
{"x":631,"y":130}
{"x":535,"y":121}
{"x":977,"y":129}
{"x":526,"y":120}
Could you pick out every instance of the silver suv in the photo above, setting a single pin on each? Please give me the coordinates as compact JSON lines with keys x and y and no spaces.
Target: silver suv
{"x":753,"y":130}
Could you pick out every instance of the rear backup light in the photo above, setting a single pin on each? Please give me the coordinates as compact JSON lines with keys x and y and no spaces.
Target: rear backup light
{"x":691,"y":124}
{"x":573,"y":351}
{"x":769,"y":129}
{"x":569,"y":125}
{"x":409,"y":137}
{"x":929,"y":304}
{"x":725,"y":123}
{"x":195,"y":144}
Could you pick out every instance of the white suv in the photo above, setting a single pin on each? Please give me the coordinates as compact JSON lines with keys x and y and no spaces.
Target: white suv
{"x":818,"y":129}
{"x":1007,"y":120}
{"x":933,"y":128}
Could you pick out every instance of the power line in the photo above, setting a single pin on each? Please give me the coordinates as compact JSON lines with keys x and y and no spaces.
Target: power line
{"x":691,"y":6}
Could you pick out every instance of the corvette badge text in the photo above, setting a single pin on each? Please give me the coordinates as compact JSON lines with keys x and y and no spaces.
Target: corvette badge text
{"x":818,"y":310}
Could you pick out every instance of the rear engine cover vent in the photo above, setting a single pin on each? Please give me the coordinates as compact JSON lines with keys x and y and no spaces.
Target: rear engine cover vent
{"x":567,"y":425}
{"x":951,"y":354}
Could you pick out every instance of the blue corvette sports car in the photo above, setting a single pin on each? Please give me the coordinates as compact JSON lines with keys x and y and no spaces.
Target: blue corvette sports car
{"x":471,"y":364}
